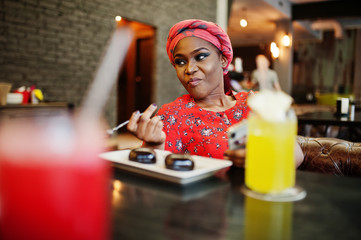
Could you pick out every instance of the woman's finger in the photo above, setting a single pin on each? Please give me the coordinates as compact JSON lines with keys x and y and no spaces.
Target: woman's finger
{"x":159,"y":126}
{"x":158,"y":130}
{"x":147,"y":114}
{"x":133,"y":122}
{"x":144,"y":120}
{"x":154,"y":130}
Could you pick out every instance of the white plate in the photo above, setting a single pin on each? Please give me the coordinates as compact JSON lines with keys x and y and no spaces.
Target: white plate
{"x":203,"y":167}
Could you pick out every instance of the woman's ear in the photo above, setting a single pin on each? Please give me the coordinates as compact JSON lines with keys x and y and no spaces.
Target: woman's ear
{"x":224,"y":61}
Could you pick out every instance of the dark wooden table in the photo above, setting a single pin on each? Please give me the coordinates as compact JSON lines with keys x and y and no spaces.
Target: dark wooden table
{"x":326,"y":119}
{"x":215,"y":208}
{"x":329,"y":118}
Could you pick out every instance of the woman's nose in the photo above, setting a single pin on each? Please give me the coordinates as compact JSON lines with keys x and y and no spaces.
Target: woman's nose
{"x":191,"y":67}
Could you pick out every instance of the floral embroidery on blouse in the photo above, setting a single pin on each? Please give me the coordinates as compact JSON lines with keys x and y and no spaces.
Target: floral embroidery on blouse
{"x":191,"y":129}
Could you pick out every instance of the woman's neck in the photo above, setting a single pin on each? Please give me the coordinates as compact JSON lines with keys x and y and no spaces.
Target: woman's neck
{"x":216,"y":102}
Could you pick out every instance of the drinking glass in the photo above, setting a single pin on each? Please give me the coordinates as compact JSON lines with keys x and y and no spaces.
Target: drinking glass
{"x":270,"y":166}
{"x":52,"y":183}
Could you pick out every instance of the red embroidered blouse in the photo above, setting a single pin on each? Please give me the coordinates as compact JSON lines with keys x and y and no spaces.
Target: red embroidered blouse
{"x":191,"y":129}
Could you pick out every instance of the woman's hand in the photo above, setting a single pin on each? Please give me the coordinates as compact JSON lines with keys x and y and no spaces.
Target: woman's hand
{"x":148,"y":128}
{"x":237,"y":156}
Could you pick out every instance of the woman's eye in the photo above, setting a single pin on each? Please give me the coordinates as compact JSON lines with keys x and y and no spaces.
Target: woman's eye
{"x":179,"y":62}
{"x":201,"y":56}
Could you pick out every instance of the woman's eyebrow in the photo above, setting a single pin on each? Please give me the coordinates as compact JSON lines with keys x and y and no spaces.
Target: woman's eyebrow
{"x":193,"y":52}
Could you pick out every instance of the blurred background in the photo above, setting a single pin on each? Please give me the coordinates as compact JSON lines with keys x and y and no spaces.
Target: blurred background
{"x":57,"y":45}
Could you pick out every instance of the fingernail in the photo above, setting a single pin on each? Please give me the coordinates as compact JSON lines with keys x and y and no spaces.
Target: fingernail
{"x":137,"y":113}
{"x":154,"y":105}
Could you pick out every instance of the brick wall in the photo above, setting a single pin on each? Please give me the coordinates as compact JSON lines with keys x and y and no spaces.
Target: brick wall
{"x":56,"y":45}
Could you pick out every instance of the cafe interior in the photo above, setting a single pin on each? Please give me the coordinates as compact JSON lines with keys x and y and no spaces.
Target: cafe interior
{"x":73,"y":72}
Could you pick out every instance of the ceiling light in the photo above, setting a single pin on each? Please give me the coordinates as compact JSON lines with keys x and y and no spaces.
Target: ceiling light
{"x":275,"y":50}
{"x":243,"y":22}
{"x":286,"y":41}
{"x":273,"y":46}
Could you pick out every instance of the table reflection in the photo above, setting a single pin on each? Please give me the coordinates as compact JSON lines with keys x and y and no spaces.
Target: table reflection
{"x":267,"y":220}
{"x":198,"y":209}
{"x":216,"y":208}
{"x":201,"y":218}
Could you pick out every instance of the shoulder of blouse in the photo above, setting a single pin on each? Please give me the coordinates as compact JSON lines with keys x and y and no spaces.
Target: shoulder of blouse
{"x":243,"y":95}
{"x":182,"y":100}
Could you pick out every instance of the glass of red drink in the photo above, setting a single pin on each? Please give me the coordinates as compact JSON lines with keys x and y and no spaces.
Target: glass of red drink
{"x":52,"y":183}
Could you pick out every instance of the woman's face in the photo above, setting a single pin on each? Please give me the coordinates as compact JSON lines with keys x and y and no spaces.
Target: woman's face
{"x":199,"y":66}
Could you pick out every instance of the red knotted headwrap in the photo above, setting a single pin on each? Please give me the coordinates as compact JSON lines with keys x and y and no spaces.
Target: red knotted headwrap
{"x":207,"y":31}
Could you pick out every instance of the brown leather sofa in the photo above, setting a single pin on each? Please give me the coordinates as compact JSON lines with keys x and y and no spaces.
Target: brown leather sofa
{"x":331,"y":156}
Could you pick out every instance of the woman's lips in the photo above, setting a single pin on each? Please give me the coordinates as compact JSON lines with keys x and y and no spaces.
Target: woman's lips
{"x":194,"y":82}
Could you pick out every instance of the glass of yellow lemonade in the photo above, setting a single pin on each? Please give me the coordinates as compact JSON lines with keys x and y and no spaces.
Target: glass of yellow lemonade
{"x":270,"y":165}
{"x":270,"y":154}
